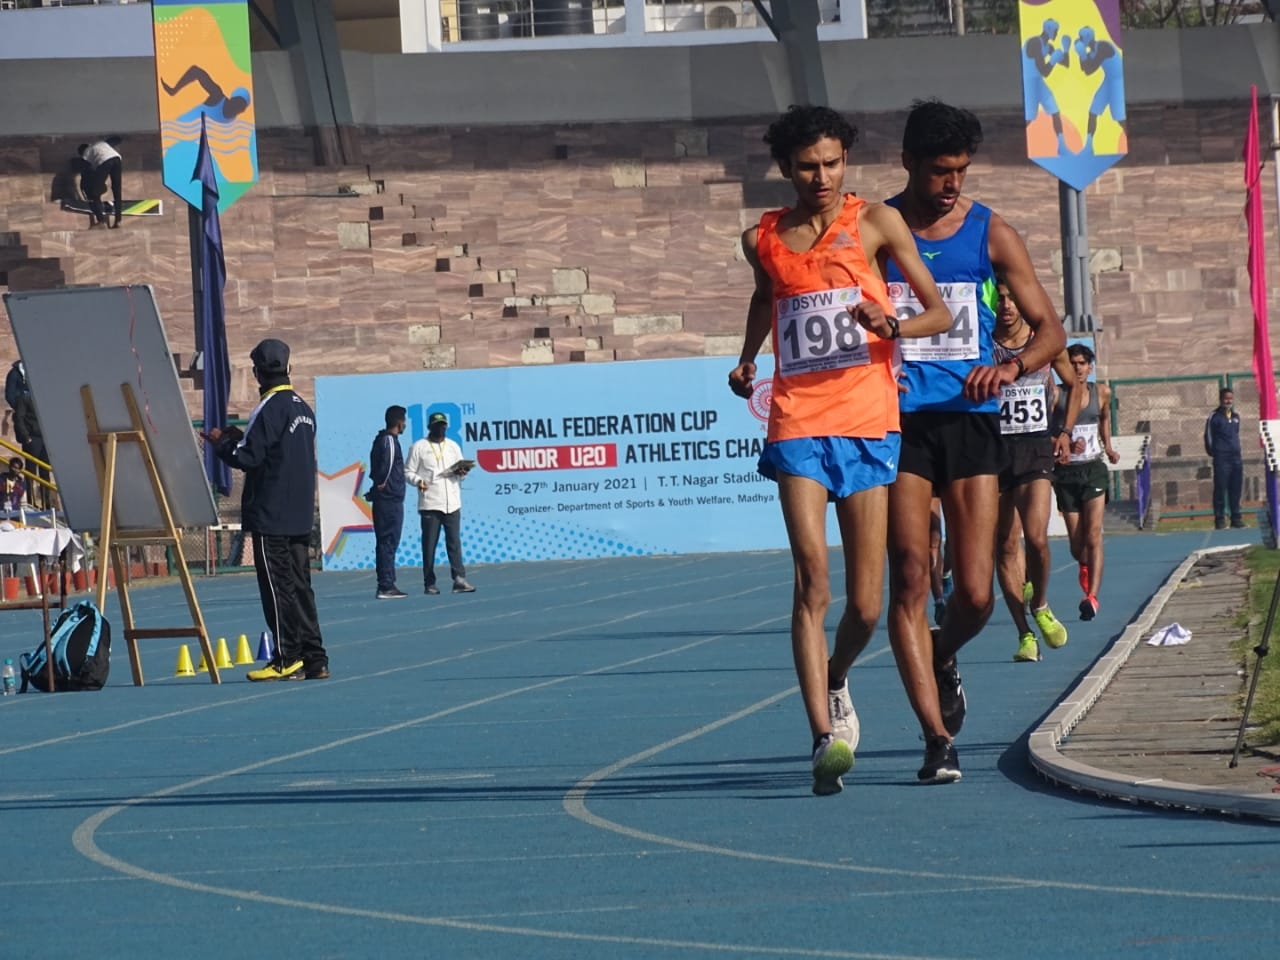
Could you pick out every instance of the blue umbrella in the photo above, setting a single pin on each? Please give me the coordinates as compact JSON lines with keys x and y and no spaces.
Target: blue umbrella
{"x":213,"y":341}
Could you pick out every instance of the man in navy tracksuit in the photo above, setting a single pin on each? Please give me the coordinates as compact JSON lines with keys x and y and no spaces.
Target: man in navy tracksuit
{"x":1222,"y":443}
{"x":277,"y":452}
{"x":386,"y":472}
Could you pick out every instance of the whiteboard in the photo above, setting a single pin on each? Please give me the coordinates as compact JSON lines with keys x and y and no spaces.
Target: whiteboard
{"x":105,"y":337}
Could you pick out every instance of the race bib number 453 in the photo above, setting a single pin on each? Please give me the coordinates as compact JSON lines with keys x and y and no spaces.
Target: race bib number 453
{"x":1023,"y":408}
{"x":958,"y":343}
{"x":816,"y":331}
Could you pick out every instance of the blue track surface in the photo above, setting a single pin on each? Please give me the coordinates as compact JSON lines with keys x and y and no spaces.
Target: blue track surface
{"x":588,"y":759}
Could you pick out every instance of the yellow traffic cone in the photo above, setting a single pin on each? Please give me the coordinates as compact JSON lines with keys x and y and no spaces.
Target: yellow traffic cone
{"x":223,"y":656}
{"x":204,"y":667}
{"x":184,"y":663}
{"x":243,"y":653}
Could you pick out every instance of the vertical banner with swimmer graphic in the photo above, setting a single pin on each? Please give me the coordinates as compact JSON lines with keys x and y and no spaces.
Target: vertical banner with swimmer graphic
{"x":204,"y":78}
{"x":1073,"y":87}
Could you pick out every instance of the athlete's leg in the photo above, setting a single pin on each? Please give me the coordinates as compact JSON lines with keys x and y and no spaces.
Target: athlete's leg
{"x":864,"y":524}
{"x":1011,"y":569}
{"x":909,"y":635}
{"x":935,"y":550}
{"x":804,"y":510}
{"x":1091,"y":540}
{"x":1032,"y":500}
{"x":1074,"y":535}
{"x":972,"y":506}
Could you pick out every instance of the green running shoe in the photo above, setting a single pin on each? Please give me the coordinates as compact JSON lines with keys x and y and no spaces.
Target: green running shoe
{"x":1028,"y":592}
{"x":1028,"y":649}
{"x":1055,"y":634}
{"x":831,"y":760}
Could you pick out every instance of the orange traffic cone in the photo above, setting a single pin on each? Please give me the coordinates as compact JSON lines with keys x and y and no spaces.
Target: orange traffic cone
{"x":184,"y":663}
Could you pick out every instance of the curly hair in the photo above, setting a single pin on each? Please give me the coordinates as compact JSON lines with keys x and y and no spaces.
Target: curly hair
{"x":936,"y":129}
{"x":803,"y":126}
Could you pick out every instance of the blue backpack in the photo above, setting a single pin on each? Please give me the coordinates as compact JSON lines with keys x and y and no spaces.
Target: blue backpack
{"x":81,"y":642}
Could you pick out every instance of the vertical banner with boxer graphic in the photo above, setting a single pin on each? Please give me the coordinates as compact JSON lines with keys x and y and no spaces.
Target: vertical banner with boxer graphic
{"x":1073,"y":87}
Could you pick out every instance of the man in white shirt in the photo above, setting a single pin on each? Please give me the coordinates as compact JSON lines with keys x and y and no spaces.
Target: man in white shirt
{"x":103,"y":165}
{"x":436,"y":467}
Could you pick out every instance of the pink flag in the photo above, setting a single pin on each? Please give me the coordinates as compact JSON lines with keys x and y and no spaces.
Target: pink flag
{"x":1263,"y":373}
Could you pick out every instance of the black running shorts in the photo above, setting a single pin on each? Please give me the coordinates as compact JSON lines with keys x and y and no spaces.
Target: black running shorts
{"x":1076,"y":483}
{"x":1030,"y":458}
{"x":943,"y":446}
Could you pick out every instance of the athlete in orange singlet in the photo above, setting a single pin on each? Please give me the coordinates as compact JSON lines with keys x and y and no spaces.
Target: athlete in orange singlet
{"x":833,"y":426}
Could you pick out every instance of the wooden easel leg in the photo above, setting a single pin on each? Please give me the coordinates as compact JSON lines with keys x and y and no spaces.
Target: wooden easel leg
{"x":120,"y":565}
{"x":174,"y":540}
{"x":114,"y":544}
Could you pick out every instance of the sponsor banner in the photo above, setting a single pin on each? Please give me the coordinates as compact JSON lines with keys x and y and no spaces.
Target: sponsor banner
{"x":204,"y":76}
{"x":1073,"y":87}
{"x":573,"y":461}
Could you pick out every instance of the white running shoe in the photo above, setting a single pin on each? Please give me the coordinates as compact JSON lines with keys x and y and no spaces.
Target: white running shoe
{"x":844,"y":719}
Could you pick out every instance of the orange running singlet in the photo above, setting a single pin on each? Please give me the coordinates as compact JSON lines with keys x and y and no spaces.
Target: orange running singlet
{"x":832,"y":378}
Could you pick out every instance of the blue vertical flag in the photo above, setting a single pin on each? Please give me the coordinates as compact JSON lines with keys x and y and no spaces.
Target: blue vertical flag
{"x":213,"y":345}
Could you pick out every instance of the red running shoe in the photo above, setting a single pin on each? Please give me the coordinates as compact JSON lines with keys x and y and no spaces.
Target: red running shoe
{"x":1088,"y":607}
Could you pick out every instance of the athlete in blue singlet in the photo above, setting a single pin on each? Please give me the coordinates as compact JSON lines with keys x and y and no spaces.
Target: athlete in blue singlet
{"x":951,"y":444}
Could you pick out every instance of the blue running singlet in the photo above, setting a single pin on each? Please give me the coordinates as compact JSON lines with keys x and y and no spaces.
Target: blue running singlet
{"x":934,"y":368}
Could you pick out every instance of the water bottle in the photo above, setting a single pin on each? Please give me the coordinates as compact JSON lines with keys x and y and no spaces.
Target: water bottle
{"x":10,"y":677}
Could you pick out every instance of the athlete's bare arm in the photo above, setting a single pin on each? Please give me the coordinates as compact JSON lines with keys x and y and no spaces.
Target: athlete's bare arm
{"x":1104,"y":422}
{"x":1077,"y":397}
{"x":759,"y":320}
{"x":885,"y":235}
{"x":1011,"y":261}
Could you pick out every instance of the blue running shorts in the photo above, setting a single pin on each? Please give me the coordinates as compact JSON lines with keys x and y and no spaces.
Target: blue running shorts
{"x":844,"y":465}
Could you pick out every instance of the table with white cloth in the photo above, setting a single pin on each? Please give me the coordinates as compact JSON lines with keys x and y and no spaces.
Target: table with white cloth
{"x":44,"y":547}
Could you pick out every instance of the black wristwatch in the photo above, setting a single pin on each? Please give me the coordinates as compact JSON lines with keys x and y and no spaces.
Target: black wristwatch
{"x":894,"y":332}
{"x":1022,"y":367}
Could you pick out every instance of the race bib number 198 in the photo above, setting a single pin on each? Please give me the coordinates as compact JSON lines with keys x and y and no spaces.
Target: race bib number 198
{"x":816,"y":331}
{"x":958,"y":343}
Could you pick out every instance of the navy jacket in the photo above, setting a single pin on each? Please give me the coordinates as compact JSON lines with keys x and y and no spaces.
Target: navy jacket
{"x":277,"y":453}
{"x":386,"y":468}
{"x":1222,"y":436}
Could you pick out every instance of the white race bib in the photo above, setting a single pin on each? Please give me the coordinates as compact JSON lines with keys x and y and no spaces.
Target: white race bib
{"x":958,"y":343}
{"x":1087,"y":432}
{"x":816,"y":331}
{"x":1024,"y":408}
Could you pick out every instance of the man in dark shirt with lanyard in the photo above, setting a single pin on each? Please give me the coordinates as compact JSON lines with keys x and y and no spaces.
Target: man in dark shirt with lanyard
{"x":277,"y":452}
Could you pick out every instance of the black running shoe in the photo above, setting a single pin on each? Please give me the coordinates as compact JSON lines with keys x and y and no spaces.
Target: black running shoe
{"x":941,"y":765}
{"x":951,"y":701}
